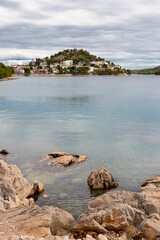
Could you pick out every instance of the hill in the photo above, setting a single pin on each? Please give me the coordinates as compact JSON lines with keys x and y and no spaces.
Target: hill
{"x":155,"y":71}
{"x":75,"y":62}
{"x":70,"y":54}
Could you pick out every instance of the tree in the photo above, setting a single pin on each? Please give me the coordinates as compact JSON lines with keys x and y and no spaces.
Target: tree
{"x":157,"y":72}
{"x":128,"y":71}
{"x":5,"y":71}
{"x":27,"y":71}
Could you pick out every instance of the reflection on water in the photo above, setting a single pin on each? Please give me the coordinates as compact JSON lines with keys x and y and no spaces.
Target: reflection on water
{"x":115,"y":121}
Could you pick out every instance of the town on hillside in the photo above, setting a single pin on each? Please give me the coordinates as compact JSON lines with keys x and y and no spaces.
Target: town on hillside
{"x":72,"y":62}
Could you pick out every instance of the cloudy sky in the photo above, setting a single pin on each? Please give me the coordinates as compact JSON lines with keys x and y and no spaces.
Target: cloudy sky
{"x":124,"y":31}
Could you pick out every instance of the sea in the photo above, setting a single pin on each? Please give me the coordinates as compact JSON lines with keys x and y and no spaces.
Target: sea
{"x":114,"y":121}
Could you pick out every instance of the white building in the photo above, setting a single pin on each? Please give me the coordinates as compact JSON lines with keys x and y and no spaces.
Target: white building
{"x":43,"y":64}
{"x":53,"y":65}
{"x":66,"y":63}
{"x":99,"y":63}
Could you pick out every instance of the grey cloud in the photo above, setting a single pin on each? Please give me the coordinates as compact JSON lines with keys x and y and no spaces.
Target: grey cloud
{"x":126,"y":33}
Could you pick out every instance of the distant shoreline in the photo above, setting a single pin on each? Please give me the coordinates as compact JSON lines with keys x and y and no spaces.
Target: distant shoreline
{"x":8,"y":78}
{"x":58,"y":75}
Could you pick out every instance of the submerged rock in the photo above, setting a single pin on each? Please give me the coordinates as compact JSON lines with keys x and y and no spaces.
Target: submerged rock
{"x":101,"y":179}
{"x":4,"y":152}
{"x":63,"y":161}
{"x":81,"y":158}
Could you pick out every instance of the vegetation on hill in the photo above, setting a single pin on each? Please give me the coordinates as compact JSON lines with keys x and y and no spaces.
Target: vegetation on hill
{"x":5,"y":71}
{"x":155,"y":71}
{"x":75,"y":62}
{"x":70,"y":54}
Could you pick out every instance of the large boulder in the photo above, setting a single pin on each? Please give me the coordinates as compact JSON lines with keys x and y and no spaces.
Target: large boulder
{"x":15,"y":190}
{"x":37,"y":222}
{"x":101,"y":179}
{"x":117,"y":211}
{"x":63,"y":161}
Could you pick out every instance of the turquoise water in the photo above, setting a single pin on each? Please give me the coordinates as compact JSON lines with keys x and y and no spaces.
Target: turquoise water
{"x":115,"y":121}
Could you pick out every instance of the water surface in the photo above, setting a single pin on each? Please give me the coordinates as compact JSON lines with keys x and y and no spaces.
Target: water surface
{"x":115,"y":121}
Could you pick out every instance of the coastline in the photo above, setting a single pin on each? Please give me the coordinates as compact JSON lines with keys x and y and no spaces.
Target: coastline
{"x":60,"y":75}
{"x":114,"y":215}
{"x":8,"y":78}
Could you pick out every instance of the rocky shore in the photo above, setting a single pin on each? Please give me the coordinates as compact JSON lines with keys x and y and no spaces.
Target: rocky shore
{"x":115,"y":215}
{"x":8,"y":78}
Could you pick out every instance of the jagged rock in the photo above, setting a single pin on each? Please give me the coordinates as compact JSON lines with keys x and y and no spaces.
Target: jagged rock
{"x":14,"y":188}
{"x":115,"y":211}
{"x":81,"y":158}
{"x":63,"y":161}
{"x":38,"y":222}
{"x":36,"y":188}
{"x":4,"y":152}
{"x":134,"y":199}
{"x":101,"y":179}
{"x":59,"y":154}
{"x":151,"y":190}
{"x":3,"y":159}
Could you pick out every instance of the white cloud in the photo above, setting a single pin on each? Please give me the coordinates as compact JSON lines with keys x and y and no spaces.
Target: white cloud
{"x":120,"y":29}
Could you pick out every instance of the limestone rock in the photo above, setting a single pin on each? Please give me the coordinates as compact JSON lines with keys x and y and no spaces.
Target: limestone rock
{"x":58,"y":154}
{"x":115,"y":211}
{"x":46,"y":158}
{"x":3,"y":159}
{"x":4,"y":152}
{"x":134,"y":199}
{"x":151,"y":190}
{"x":63,"y":161}
{"x":101,"y":179}
{"x":102,"y":237}
{"x":36,"y":188}
{"x":88,"y":237}
{"x":81,"y":158}
{"x":15,"y":190}
{"x":38,"y":222}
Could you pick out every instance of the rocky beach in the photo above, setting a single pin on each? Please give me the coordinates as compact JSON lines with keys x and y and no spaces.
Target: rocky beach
{"x":115,"y":215}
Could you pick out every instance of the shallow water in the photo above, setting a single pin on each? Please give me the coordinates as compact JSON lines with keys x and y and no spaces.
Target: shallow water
{"x":115,"y":121}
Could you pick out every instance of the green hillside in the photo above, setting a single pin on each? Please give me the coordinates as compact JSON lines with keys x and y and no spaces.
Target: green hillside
{"x":5,"y":71}
{"x":71,"y":54}
{"x":155,"y":71}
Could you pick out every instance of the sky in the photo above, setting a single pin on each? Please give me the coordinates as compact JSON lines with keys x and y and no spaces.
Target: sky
{"x":125,"y":32}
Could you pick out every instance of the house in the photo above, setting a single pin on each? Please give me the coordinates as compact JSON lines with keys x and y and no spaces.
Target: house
{"x":99,"y":63}
{"x":55,"y":70}
{"x":53,"y":65}
{"x":91,"y":69}
{"x":43,"y":64}
{"x":66,"y":63}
